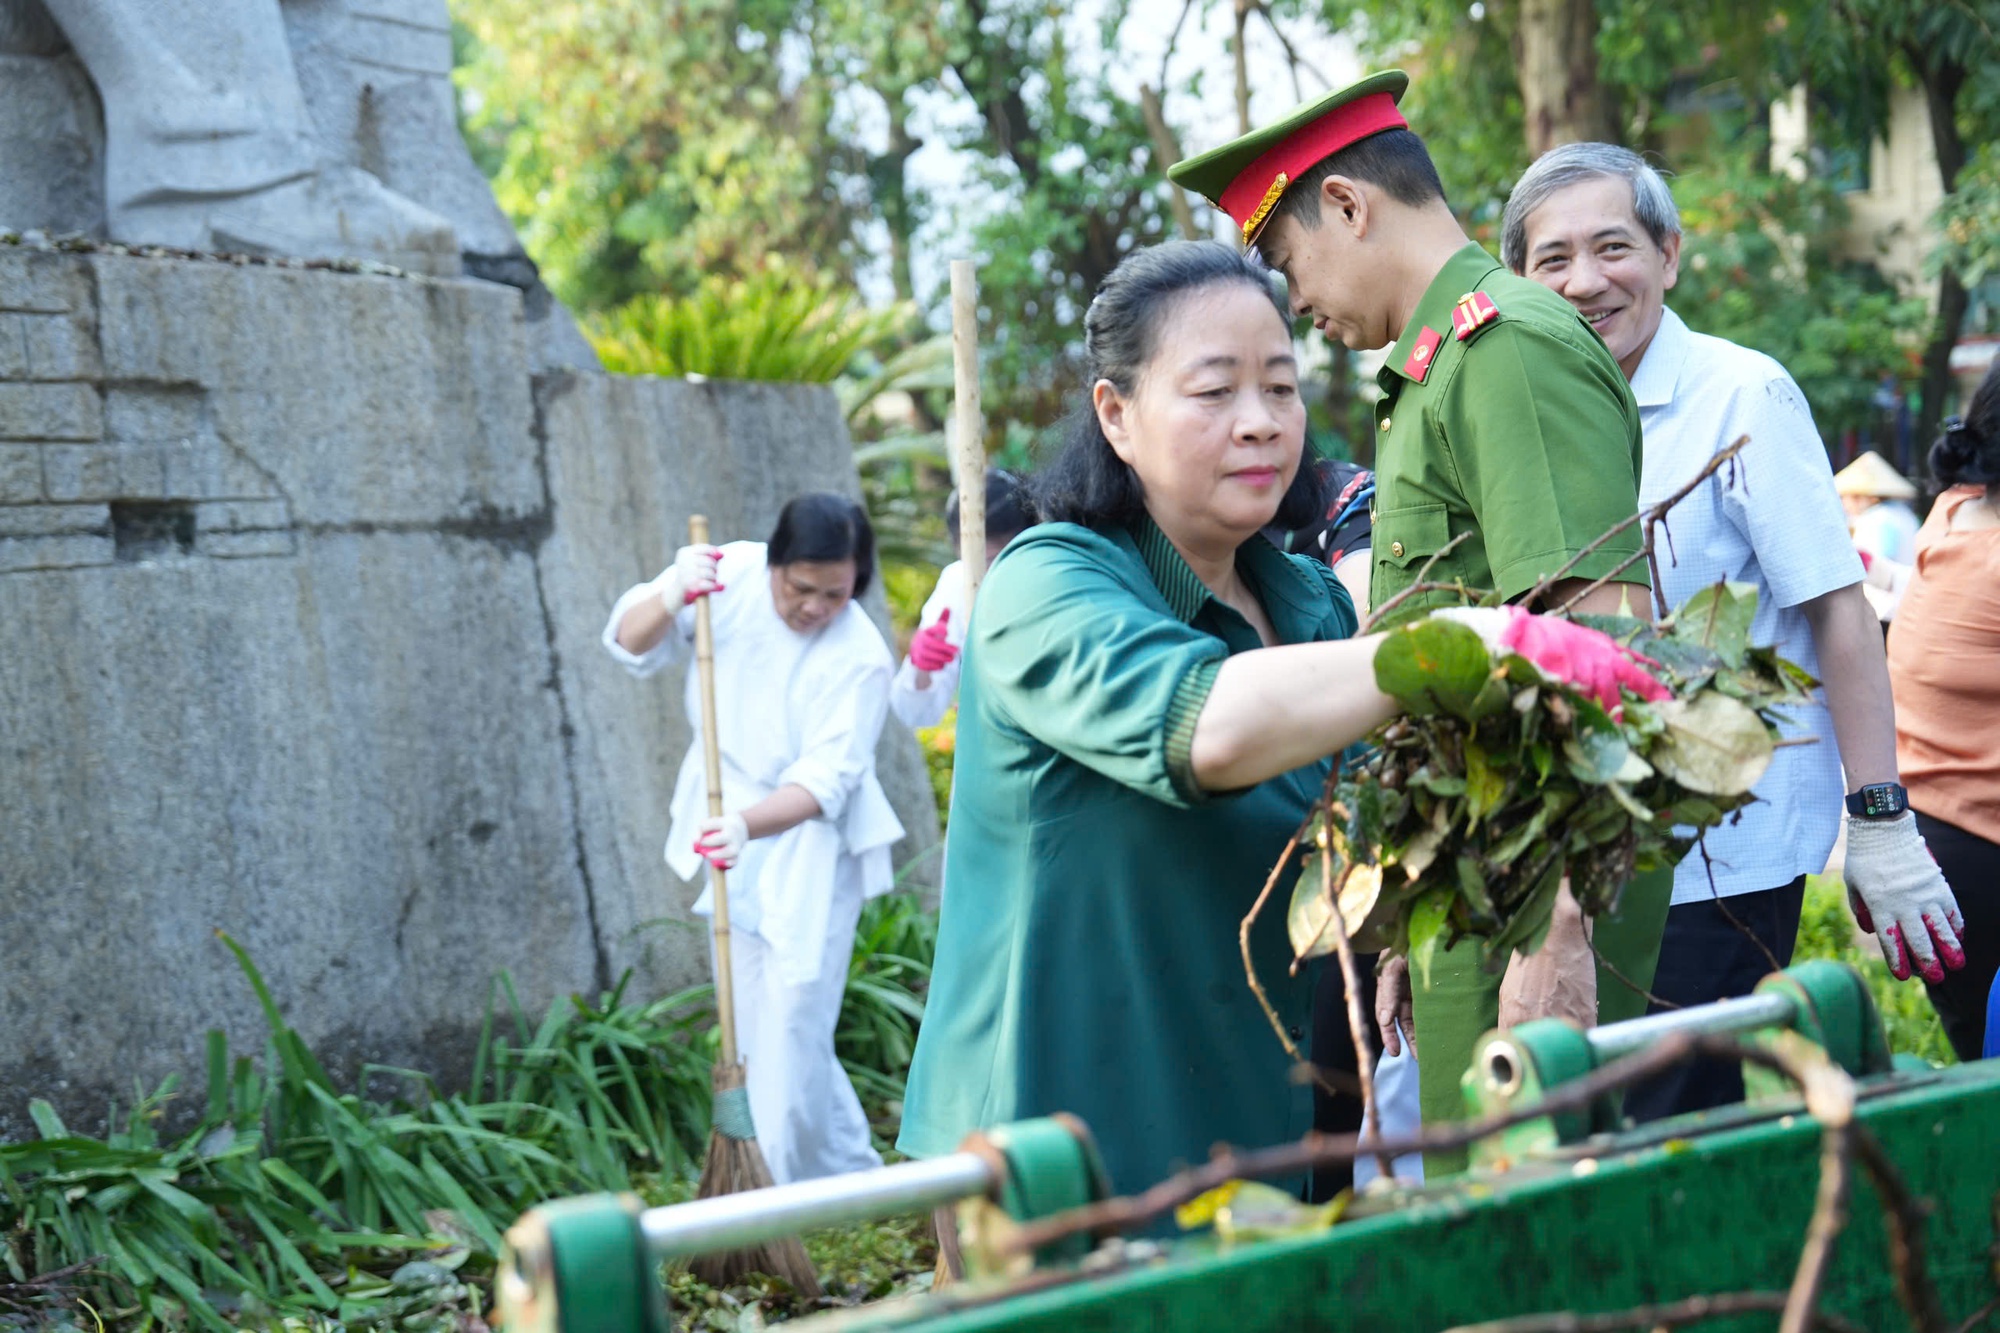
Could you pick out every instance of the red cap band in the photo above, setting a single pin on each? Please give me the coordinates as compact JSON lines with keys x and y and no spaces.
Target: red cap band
{"x":1250,"y":196}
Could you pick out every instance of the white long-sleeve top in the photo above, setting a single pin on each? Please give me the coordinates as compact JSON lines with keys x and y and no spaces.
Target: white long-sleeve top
{"x":927,"y":707}
{"x":790,"y":708}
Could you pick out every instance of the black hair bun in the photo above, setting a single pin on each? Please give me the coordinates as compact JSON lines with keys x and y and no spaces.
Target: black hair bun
{"x":1962,"y":457}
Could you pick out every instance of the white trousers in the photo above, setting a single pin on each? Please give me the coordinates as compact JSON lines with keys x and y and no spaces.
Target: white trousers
{"x":809,"y":1120}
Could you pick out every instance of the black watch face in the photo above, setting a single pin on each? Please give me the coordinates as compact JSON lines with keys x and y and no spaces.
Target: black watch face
{"x":1882,"y":801}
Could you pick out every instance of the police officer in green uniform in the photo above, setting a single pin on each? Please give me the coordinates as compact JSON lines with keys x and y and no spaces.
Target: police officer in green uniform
{"x":1507,"y":441}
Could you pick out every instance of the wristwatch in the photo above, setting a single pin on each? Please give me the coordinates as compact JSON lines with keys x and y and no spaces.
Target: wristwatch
{"x":1878,"y":800}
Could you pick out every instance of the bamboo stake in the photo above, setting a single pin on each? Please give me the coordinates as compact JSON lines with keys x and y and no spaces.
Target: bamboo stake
{"x":711,"y":756}
{"x":969,"y":453}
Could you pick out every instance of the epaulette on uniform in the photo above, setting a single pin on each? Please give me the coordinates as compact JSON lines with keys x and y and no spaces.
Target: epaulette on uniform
{"x":1475,"y":310}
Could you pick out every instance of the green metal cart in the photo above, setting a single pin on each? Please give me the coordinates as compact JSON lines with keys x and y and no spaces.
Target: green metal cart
{"x":1563,"y":1211}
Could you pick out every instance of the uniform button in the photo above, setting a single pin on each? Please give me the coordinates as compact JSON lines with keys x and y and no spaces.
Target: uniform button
{"x":1396,"y":549}
{"x":1385,"y":423}
{"x":1295,"y":1033}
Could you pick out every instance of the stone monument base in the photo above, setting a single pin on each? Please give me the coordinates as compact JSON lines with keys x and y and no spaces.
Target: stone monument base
{"x":301,"y":577}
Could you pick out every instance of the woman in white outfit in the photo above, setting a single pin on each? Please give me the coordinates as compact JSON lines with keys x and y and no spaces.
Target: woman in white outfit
{"x":802,"y":688}
{"x":926,"y":684}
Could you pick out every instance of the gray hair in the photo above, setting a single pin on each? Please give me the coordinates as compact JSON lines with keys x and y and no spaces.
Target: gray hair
{"x":1572,"y":164}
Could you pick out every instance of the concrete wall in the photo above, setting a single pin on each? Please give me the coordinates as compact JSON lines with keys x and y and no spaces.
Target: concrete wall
{"x":301,"y":575}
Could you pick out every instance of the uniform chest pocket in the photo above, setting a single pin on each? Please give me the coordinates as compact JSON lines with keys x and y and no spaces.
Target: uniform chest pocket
{"x":1405,"y":538}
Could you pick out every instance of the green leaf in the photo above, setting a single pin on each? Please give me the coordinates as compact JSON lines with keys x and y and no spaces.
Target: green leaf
{"x":1484,"y":787}
{"x":1309,"y":920}
{"x":1433,"y":666}
{"x":1472,"y":887}
{"x":1597,"y":757}
{"x":1712,"y":745}
{"x":1718,"y":618}
{"x":1438,"y":784}
{"x":1427,"y":918}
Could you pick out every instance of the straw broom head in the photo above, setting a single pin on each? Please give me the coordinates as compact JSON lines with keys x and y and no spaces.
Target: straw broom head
{"x":735,"y":1164}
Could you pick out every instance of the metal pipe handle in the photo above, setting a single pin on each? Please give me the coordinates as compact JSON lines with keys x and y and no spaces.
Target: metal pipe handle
{"x":736,"y":1221}
{"x":1743,"y":1014}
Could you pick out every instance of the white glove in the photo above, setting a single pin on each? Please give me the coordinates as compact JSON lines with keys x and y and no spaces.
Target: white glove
{"x":719,"y":840}
{"x":691,"y":575}
{"x":1892,"y":879}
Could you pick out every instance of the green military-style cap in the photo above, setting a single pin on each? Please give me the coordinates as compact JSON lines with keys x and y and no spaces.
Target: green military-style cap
{"x":1246,"y":177}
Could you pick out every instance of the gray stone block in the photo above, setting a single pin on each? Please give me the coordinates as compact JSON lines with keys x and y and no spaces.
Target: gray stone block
{"x":20,"y":473}
{"x":80,"y":471}
{"x":41,"y":282}
{"x":60,"y":347}
{"x":25,"y":554}
{"x":50,"y":412}
{"x":43,"y":520}
{"x":13,"y":346}
{"x":247,"y":515}
{"x":246,"y":545}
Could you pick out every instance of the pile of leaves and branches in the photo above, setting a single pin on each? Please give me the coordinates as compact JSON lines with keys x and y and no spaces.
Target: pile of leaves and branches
{"x":1499,"y":783}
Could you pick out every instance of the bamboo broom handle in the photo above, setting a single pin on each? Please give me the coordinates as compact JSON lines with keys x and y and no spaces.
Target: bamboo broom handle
{"x":711,"y":755}
{"x":970,"y":453}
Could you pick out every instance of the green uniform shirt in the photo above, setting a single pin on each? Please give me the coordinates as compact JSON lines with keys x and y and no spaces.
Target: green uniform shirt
{"x":1524,"y":435}
{"x":1087,"y":956}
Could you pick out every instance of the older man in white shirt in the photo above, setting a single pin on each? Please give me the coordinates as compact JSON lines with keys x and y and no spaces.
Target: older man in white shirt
{"x":1596,"y":224}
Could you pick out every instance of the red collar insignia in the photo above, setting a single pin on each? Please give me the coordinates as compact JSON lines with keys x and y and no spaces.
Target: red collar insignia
{"x":1419,"y":364}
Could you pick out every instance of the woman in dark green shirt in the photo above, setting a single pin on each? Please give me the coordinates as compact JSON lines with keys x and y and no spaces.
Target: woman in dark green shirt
{"x":1151,"y":699}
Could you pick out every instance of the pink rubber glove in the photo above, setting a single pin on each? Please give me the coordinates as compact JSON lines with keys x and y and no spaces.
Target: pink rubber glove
{"x":930,"y":650}
{"x":719,"y":840}
{"x":691,"y":576}
{"x":1586,"y":658}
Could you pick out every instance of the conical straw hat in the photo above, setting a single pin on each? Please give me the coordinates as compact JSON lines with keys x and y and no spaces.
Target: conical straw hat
{"x":1871,"y":474}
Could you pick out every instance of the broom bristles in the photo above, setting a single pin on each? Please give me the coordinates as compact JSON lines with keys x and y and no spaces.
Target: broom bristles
{"x":733,"y":1166}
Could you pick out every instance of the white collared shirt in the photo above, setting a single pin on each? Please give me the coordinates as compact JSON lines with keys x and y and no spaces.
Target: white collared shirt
{"x":791,"y":708}
{"x":1778,"y":525}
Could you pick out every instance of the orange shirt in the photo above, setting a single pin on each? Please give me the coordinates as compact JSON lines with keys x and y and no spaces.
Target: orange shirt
{"x":1944,"y":666}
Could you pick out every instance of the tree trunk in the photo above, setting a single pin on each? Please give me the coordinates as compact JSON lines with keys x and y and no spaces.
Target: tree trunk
{"x":1942,"y":82}
{"x":1242,"y":67}
{"x":893,"y":193}
{"x":1555,"y":62}
{"x":1166,"y":152}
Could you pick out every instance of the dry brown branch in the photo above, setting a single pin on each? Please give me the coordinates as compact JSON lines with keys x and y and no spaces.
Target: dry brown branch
{"x":1708,"y":865}
{"x":1250,"y":966}
{"x":1364,"y":1049}
{"x":1905,"y":1216}
{"x":1648,"y":516}
{"x":1979,"y":1316}
{"x":1676,"y":1314}
{"x":1618,"y":974}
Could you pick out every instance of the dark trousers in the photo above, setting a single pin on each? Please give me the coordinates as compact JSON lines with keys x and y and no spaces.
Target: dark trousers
{"x":1333,"y":1054}
{"x":1971,"y":865}
{"x":1705,"y":957}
